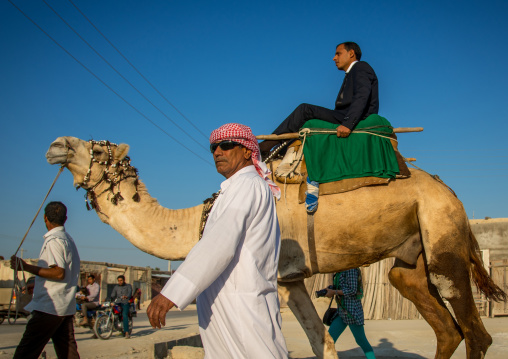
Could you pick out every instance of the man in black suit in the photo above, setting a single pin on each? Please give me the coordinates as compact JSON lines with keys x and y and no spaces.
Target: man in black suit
{"x":357,"y":98}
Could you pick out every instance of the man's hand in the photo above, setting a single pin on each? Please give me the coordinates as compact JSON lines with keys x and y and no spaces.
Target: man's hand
{"x":157,"y":310}
{"x":343,"y":131}
{"x":54,"y":272}
{"x":330,"y":292}
{"x":17,"y":261}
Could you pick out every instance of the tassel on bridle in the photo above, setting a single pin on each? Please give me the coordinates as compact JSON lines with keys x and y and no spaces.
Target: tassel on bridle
{"x":135,"y":197}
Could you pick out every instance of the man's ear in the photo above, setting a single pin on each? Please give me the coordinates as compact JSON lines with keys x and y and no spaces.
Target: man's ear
{"x":247,"y":153}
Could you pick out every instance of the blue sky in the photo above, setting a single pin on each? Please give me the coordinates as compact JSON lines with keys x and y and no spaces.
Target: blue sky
{"x":440,"y":64}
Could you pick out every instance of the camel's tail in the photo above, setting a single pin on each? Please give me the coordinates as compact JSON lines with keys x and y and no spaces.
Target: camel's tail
{"x":480,"y":276}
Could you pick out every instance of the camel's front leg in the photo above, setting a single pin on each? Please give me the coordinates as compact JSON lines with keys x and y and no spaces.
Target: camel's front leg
{"x":300,"y":304}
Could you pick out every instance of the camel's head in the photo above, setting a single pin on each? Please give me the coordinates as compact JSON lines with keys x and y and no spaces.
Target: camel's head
{"x":90,"y":162}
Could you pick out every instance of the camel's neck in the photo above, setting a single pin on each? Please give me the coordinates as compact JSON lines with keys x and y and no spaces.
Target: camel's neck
{"x":164,"y":233}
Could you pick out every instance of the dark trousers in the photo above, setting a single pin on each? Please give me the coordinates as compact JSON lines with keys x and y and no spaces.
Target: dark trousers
{"x":42,"y":327}
{"x":86,"y":307}
{"x":125,"y":316}
{"x":305,"y":112}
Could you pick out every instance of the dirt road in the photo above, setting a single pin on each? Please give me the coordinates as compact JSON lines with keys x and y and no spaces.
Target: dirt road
{"x":390,"y":339}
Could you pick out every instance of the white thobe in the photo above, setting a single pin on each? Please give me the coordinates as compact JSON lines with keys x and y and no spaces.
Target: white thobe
{"x":233,"y":273}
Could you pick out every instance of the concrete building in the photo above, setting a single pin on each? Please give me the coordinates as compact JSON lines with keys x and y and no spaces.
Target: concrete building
{"x":105,"y":275}
{"x":492,"y":234}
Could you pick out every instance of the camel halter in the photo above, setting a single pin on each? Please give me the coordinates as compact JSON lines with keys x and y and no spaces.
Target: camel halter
{"x":113,"y":175}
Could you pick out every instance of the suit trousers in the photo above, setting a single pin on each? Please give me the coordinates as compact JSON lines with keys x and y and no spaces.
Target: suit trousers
{"x":40,"y":329}
{"x":305,"y":112}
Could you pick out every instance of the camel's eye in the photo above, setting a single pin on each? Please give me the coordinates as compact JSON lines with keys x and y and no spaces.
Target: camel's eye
{"x":97,"y":151}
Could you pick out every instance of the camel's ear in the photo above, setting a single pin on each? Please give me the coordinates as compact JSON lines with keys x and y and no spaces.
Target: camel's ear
{"x":121,"y":152}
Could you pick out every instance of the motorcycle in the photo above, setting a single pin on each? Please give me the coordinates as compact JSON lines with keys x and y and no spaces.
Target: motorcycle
{"x":110,"y":319}
{"x":90,"y":314}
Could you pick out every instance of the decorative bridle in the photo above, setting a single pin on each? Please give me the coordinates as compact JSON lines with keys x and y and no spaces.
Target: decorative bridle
{"x":113,"y":175}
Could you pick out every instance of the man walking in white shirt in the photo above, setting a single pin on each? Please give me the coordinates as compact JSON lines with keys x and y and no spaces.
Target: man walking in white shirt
{"x":233,"y":269}
{"x":54,"y":303}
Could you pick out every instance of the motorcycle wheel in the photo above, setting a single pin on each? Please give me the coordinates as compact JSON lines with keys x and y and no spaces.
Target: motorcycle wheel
{"x":103,"y":327}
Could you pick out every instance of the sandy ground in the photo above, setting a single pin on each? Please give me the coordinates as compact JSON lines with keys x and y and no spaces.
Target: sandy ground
{"x":390,"y":339}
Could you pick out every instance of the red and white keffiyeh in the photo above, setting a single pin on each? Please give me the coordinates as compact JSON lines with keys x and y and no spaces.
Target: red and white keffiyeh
{"x":243,"y":135}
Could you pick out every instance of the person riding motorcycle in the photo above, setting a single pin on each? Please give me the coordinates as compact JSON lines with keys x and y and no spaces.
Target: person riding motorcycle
{"x":91,"y":300}
{"x":122,"y":294}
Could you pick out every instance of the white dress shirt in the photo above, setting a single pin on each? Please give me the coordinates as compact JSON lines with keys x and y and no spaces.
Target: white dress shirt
{"x":351,"y":66}
{"x":233,"y":273}
{"x":57,"y":297}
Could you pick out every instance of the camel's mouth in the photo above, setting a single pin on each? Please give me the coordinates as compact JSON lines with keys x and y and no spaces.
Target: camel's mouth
{"x":57,"y":153}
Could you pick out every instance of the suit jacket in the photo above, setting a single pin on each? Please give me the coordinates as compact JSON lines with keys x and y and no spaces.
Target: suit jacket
{"x":358,"y":97}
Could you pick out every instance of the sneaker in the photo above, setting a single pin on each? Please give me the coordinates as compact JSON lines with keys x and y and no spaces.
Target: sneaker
{"x":311,"y":196}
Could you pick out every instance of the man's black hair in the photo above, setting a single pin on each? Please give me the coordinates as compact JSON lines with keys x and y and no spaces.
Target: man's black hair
{"x":56,"y":213}
{"x":121,"y":276}
{"x":91,"y":276}
{"x":349,"y":45}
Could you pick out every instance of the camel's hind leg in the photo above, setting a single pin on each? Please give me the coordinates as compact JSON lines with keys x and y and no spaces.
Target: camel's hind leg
{"x":448,"y":257}
{"x":302,"y":307}
{"x":449,"y":272}
{"x":413,"y":283}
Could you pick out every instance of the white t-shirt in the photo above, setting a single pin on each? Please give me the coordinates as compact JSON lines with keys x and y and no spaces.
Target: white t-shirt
{"x":57,"y":297}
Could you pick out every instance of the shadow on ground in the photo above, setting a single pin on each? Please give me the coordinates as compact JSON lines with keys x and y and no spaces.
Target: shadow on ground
{"x":150,"y":330}
{"x":384,"y":350}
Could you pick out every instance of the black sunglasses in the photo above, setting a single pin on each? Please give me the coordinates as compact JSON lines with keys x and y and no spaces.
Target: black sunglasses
{"x":224,"y":145}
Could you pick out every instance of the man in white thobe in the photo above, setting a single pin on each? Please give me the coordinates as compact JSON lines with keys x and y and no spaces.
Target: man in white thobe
{"x":233,"y":269}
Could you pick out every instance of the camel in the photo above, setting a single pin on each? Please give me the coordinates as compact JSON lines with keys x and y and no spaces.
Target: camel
{"x":418,"y":220}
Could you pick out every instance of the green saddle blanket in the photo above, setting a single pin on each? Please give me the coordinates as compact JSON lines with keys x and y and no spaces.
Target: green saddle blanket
{"x":329,"y":158}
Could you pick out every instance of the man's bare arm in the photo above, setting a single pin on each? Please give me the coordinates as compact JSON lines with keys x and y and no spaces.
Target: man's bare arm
{"x":54,"y":272}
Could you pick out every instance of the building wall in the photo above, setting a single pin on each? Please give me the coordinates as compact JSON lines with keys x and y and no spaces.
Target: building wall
{"x":492,"y":234}
{"x":106,"y":275}
{"x":7,"y":274}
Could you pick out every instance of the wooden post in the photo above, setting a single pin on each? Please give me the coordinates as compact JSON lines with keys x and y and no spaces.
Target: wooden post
{"x":288,"y":136}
